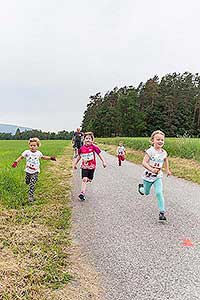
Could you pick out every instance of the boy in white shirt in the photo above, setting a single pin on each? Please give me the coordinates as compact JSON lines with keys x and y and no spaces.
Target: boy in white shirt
{"x":32,"y":164}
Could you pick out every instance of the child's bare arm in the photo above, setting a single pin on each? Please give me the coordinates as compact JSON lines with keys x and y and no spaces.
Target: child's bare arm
{"x":167,"y":167}
{"x":103,"y":160}
{"x":48,"y":157}
{"x":19,"y":158}
{"x":77,"y":161}
{"x":15,"y":163}
{"x":145,"y":164}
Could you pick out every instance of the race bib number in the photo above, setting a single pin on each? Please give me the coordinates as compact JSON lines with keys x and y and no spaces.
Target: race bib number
{"x":87,"y":156}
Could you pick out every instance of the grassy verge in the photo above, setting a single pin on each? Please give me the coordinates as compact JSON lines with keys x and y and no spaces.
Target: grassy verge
{"x":188,"y":148}
{"x":34,"y":238}
{"x":180,"y":167}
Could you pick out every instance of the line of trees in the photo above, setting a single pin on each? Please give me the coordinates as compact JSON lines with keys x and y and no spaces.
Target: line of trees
{"x":25,"y":135}
{"x":171,"y":104}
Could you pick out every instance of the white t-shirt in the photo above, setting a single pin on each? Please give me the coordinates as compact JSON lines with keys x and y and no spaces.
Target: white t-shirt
{"x":156,"y":160}
{"x":121,"y":150}
{"x":32,"y":161}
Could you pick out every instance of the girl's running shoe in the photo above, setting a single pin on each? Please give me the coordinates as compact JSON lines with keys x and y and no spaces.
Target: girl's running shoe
{"x":140,"y":185}
{"x":82,"y":197}
{"x":162,"y":216}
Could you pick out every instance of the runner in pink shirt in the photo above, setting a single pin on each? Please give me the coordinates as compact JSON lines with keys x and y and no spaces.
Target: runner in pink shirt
{"x":88,"y":165}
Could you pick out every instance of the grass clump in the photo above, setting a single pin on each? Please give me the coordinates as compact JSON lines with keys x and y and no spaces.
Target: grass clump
{"x":34,"y":238}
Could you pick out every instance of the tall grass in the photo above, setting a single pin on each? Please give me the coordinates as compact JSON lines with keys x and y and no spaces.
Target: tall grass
{"x":35,"y":239}
{"x":13,"y":190}
{"x":177,"y":147}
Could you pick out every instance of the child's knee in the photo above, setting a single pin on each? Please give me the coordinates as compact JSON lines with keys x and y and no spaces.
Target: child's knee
{"x":85,"y":179}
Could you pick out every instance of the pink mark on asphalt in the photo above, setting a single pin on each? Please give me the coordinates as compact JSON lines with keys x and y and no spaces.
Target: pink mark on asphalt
{"x":187,"y":243}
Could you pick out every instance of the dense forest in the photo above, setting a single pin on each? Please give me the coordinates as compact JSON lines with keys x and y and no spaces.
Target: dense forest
{"x":171,"y":104}
{"x":25,"y":135}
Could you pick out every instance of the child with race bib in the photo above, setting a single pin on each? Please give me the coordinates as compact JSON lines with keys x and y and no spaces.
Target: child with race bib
{"x":153,"y":161}
{"x":88,"y":165}
{"x":32,"y":164}
{"x":121,"y":151}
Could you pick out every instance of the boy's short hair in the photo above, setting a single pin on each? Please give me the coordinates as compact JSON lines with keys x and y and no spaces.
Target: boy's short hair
{"x":90,"y":133}
{"x":36,"y":140}
{"x":154,"y":133}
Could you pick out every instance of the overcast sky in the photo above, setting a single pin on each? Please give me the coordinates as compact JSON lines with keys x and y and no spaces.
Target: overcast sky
{"x":54,"y":54}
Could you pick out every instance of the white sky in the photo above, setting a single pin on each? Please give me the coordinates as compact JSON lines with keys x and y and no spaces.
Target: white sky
{"x":56,"y":53}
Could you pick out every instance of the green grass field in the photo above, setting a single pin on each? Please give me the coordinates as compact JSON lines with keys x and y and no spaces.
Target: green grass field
{"x":34,"y":237}
{"x":13,"y":190}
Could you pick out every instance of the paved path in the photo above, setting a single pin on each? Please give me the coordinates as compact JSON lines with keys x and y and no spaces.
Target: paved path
{"x":137,"y":257}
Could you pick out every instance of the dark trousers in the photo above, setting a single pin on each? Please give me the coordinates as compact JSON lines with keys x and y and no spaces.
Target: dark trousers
{"x":31,"y":180}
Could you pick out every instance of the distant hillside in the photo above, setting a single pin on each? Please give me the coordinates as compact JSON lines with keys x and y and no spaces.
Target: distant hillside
{"x":12,"y":128}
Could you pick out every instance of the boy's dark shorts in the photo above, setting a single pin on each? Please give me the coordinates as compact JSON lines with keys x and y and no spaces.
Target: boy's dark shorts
{"x":87,"y":173}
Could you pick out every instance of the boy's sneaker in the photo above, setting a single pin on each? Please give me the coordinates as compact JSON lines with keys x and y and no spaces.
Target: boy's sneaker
{"x":82,"y":197}
{"x":140,"y":185}
{"x":162,"y":216}
{"x":30,"y":199}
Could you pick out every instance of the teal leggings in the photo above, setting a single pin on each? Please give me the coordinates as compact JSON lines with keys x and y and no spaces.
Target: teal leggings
{"x":158,"y":187}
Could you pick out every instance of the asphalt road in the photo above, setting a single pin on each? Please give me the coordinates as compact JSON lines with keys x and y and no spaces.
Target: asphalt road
{"x":136,"y":256}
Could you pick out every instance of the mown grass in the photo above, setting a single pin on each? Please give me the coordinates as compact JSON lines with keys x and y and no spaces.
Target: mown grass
{"x":34,"y":238}
{"x":184,"y":153}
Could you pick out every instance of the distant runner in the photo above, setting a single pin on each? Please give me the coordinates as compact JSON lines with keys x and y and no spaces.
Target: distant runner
{"x":77,"y":141}
{"x":121,"y":151}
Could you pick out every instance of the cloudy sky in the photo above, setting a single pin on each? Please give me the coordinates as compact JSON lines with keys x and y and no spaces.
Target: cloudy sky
{"x":56,"y":53}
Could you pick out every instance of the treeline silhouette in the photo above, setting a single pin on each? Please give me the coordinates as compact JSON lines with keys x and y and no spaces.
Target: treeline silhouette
{"x":171,"y":104}
{"x":25,"y":135}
